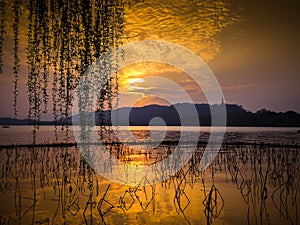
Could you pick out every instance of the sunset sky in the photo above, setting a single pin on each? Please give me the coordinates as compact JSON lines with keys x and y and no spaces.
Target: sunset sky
{"x":252,"y":47}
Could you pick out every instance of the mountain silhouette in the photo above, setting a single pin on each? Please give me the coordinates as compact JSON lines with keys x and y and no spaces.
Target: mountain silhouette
{"x":141,"y":116}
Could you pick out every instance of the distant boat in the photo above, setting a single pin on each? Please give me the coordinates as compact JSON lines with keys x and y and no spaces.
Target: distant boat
{"x":5,"y":126}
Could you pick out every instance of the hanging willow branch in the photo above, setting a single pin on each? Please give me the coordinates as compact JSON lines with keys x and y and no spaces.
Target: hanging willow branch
{"x":63,"y":39}
{"x":16,"y":68}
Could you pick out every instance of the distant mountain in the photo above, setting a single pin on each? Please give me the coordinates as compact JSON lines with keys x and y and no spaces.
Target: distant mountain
{"x":14,"y":121}
{"x":236,"y":115}
{"x":141,"y":116}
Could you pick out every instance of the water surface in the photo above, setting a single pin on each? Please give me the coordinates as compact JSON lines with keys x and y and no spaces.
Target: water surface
{"x":246,"y":184}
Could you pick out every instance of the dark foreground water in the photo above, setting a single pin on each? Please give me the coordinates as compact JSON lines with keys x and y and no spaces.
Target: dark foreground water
{"x":255,"y":183}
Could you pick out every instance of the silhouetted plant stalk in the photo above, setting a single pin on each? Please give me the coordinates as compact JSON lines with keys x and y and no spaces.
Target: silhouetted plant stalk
{"x":266,"y":177}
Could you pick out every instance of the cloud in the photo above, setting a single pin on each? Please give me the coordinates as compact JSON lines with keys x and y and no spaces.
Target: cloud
{"x":193,"y":24}
{"x":239,"y":87}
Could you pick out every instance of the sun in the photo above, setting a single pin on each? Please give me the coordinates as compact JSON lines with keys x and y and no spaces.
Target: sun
{"x":130,"y":75}
{"x":131,"y":81}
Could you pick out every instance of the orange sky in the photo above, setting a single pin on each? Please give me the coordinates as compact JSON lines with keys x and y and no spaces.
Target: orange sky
{"x":252,"y":47}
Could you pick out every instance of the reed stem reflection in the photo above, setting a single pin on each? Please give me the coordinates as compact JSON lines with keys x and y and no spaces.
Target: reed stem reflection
{"x":50,"y":185}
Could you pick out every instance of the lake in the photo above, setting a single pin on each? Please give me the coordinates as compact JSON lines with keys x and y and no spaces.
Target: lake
{"x":253,"y":180}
